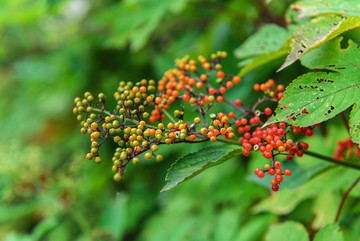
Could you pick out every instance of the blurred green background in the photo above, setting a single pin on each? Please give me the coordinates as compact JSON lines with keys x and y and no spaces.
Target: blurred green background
{"x":54,"y":50}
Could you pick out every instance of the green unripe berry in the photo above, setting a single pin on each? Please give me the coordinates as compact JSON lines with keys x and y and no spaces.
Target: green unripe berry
{"x":117,"y":176}
{"x":94,"y":151}
{"x":117,"y":139}
{"x":101,"y":96}
{"x":98,"y":160}
{"x":183,"y":136}
{"x":89,"y":109}
{"x":83,"y":130}
{"x":94,"y":144}
{"x":148,"y":156}
{"x":135,"y":160}
{"x":159,"y":158}
{"x":154,"y":147}
{"x":197,"y":120}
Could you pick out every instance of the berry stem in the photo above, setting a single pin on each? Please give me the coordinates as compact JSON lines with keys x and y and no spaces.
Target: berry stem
{"x":132,"y":120}
{"x":346,"y":194}
{"x":235,"y":106}
{"x":329,"y":159}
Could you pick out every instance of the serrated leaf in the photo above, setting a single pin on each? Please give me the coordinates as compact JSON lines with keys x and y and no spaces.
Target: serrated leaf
{"x":316,"y":32}
{"x":287,"y":231}
{"x":331,"y":232}
{"x":316,"y":97}
{"x":190,"y":165}
{"x":354,"y":123}
{"x":266,"y":45}
{"x":311,"y":8}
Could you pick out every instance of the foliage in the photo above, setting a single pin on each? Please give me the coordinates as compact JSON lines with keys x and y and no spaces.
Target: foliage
{"x":53,"y":50}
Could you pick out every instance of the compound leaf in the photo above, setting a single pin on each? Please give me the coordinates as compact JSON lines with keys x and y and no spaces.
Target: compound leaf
{"x":316,"y":97}
{"x":316,"y":32}
{"x":190,"y":165}
{"x":311,"y":8}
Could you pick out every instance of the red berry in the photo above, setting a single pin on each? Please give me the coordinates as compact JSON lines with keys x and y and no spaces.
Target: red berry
{"x":267,"y":154}
{"x":300,"y":153}
{"x":309,"y":132}
{"x":256,"y":170}
{"x":279,"y":178}
{"x":304,"y":146}
{"x":287,"y":172}
{"x":238,"y":102}
{"x":277,"y":164}
{"x":271,"y":172}
{"x":273,"y":182}
{"x":267,"y":111}
{"x":261,"y":174}
{"x":275,"y":188}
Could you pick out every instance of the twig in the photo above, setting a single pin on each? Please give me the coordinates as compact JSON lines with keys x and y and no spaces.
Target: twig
{"x":332,"y":160}
{"x":344,"y":198}
{"x":345,"y":121}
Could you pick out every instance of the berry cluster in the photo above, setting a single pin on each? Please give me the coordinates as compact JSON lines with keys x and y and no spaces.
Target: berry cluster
{"x":202,"y":84}
{"x":346,"y":148}
{"x":270,"y":89}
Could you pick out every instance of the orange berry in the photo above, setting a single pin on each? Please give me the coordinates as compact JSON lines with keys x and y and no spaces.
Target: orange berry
{"x":212,"y":91}
{"x":203,"y":77}
{"x":220,"y":74}
{"x":216,"y":122}
{"x":220,"y":99}
{"x":192,"y":100}
{"x":236,"y":79}
{"x":192,"y":137}
{"x":222,"y":89}
{"x":280,"y":87}
{"x":185,"y":97}
{"x":256,"y":87}
{"x":206,"y":65}
{"x":229,"y":84}
{"x":199,"y":85}
{"x":213,"y":138}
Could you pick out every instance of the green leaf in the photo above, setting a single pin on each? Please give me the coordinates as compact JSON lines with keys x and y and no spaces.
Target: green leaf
{"x":190,"y":165}
{"x":316,"y":32}
{"x":316,"y":97}
{"x":311,"y":8}
{"x":269,"y":38}
{"x":325,"y":207}
{"x":266,"y":45}
{"x":255,"y":227}
{"x":355,"y":122}
{"x":330,"y":233}
{"x":287,"y":231}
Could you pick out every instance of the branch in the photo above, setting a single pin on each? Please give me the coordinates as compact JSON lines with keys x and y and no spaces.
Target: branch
{"x":344,"y":198}
{"x":332,"y":160}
